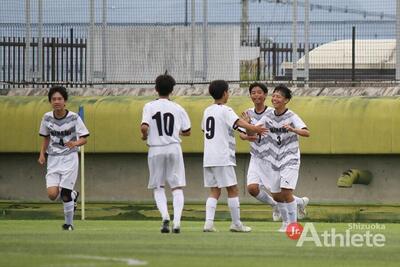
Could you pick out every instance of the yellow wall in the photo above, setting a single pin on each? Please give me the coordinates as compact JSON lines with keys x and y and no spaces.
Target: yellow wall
{"x":338,"y":125}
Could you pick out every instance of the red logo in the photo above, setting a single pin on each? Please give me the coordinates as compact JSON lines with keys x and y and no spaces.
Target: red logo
{"x":294,"y":230}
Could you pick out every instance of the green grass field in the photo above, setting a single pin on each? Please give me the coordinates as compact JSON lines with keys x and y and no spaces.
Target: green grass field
{"x":110,"y":243}
{"x":122,"y":234}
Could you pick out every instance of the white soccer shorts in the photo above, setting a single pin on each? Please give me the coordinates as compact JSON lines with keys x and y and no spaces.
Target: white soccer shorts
{"x":258,"y":168}
{"x":219,"y":176}
{"x":62,"y":171}
{"x":166,"y":165}
{"x":284,"y":178}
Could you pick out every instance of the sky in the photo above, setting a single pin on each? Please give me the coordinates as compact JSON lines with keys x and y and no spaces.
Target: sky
{"x":173,"y":11}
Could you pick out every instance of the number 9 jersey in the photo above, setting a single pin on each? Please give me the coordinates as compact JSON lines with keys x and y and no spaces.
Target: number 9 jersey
{"x":166,"y":119}
{"x":218,"y":125}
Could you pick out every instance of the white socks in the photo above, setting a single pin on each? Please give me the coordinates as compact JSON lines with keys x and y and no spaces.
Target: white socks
{"x":178,"y":200}
{"x":299,"y":201}
{"x":292,"y":211}
{"x":283,"y":210}
{"x":68,"y":212}
{"x":234,"y":206}
{"x":211,"y":206}
{"x":265,"y":198}
{"x":161,"y":201}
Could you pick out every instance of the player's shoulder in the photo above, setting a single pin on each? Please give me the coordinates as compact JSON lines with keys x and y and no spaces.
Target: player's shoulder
{"x":48,"y":116}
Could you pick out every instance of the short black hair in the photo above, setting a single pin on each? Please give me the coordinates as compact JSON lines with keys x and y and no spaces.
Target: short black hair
{"x":217,"y":88}
{"x":165,"y":84}
{"x":284,"y":90}
{"x":58,"y":89}
{"x":261,"y":85}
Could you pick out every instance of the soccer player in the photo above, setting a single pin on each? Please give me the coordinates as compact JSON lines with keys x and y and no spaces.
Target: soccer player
{"x":283,"y":153}
{"x":219,"y":122}
{"x":63,"y":133}
{"x":162,"y":123}
{"x":259,"y":150}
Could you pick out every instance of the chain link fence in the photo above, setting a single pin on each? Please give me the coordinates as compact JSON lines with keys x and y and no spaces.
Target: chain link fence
{"x":108,"y":42}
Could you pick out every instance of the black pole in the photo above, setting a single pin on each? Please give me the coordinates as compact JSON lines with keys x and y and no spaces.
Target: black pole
{"x":258,"y":59}
{"x":72,"y":54}
{"x":53,"y":59}
{"x":353,"y":54}
{"x":186,"y":12}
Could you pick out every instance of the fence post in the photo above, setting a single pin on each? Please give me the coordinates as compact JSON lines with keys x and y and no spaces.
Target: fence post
{"x":398,"y":40}
{"x":205,"y":39}
{"x":53,"y":59}
{"x":353,"y":54}
{"x":27,"y":40}
{"x":193,"y":18}
{"x":294,"y":40}
{"x":258,"y":58}
{"x":40,"y":42}
{"x":104,"y":41}
{"x":273,"y":60}
{"x":91,"y":41}
{"x":306,"y":41}
{"x":71,"y":59}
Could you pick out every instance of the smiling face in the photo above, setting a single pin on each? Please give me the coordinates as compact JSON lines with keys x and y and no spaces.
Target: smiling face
{"x":257,"y":95}
{"x":278,"y":100}
{"x":57,"y":102}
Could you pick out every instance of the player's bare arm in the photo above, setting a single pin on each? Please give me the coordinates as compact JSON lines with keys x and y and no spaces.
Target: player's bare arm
{"x":252,"y":129}
{"x":144,"y":128}
{"x":80,"y":142}
{"x":42,"y":155}
{"x":185,"y":133}
{"x":246,"y":137}
{"x":302,"y":132}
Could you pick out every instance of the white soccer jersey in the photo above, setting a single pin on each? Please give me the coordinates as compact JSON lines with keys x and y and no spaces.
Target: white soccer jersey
{"x":254,"y":118}
{"x":61,"y":131}
{"x":218,"y":125}
{"x":279,"y":146}
{"x":166,"y":119}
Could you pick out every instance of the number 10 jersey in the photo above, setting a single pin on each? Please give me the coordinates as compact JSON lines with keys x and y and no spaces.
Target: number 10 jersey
{"x":166,"y":119}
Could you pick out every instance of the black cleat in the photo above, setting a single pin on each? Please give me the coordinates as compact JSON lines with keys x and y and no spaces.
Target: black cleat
{"x":67,"y":227}
{"x":176,"y":230}
{"x":76,"y":200}
{"x":165,"y":227}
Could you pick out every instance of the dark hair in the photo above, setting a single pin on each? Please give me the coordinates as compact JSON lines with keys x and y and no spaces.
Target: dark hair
{"x":58,"y":89}
{"x":165,"y":84}
{"x":217,"y":88}
{"x":261,"y":85}
{"x":286,"y":92}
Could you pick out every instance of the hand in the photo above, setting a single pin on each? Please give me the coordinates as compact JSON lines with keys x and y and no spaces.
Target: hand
{"x":252,"y":138}
{"x":42,"y":159}
{"x":71,"y":144}
{"x":246,"y":117}
{"x":288,"y":127}
{"x":260,"y":130}
{"x":144,"y":138}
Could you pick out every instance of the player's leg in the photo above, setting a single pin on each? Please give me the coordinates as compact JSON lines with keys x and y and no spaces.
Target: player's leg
{"x":69,"y":175}
{"x":212,"y":200}
{"x":302,"y":203}
{"x":53,"y":178}
{"x":53,"y":192}
{"x":227,"y":178}
{"x":157,"y":166}
{"x":176,"y":178}
{"x":254,"y":174}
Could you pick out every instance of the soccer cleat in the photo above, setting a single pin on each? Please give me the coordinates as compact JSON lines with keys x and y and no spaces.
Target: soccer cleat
{"x":176,"y":230}
{"x":67,"y":227}
{"x":76,"y":200}
{"x":301,"y":209}
{"x":240,"y":228}
{"x":165,"y":227}
{"x":283,"y":227}
{"x":276,"y":215}
{"x":209,"y":227}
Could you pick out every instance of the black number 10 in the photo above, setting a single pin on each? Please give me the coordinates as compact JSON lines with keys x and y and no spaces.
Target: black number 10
{"x":168,"y":120}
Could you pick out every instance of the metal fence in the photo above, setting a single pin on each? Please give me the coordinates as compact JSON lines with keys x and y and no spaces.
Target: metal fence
{"x":102,"y":42}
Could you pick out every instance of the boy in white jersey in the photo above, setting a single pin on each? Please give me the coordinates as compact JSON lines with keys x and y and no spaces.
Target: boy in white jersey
{"x":63,"y":133}
{"x":284,"y":154}
{"x":162,"y":123}
{"x":219,"y":122}
{"x":257,"y":166}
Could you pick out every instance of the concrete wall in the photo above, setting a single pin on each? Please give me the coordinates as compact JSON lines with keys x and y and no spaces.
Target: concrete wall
{"x":141,"y":53}
{"x":122,"y":177}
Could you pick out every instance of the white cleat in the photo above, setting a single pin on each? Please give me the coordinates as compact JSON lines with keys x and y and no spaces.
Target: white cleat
{"x":209,"y":227}
{"x":276,"y":215}
{"x":240,"y":228}
{"x":301,"y":212}
{"x":283,"y":227}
